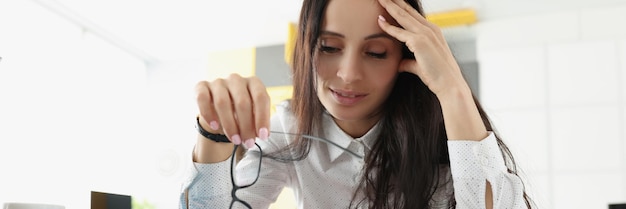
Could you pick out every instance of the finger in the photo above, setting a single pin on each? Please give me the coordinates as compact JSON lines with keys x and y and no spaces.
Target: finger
{"x":398,"y":33}
{"x":224,"y":109}
{"x":205,"y":106}
{"x":415,"y":14}
{"x":423,"y":23}
{"x":261,"y":101}
{"x":242,"y":103}
{"x":402,"y":16}
{"x":413,"y":41}
{"x":409,"y":9}
{"x":420,"y":18}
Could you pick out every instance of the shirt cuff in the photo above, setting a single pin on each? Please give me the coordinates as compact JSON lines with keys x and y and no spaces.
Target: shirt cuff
{"x":476,"y":159}
{"x":207,"y":179}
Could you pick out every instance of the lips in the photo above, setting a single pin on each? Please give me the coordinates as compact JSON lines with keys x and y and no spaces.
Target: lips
{"x":347,"y":97}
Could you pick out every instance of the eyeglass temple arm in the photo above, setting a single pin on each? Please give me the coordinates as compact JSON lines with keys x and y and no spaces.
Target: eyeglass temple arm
{"x":320,"y":139}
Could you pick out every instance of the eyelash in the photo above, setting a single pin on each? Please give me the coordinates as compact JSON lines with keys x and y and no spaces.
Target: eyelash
{"x":377,"y":55}
{"x":328,"y":49}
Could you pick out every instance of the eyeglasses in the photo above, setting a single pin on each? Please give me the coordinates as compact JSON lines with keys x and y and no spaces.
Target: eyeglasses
{"x":239,"y":203}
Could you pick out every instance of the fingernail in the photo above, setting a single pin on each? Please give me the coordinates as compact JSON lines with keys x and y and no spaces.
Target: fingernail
{"x":214,"y":125}
{"x":381,"y":18}
{"x":263,"y":133}
{"x":236,"y":139}
{"x":249,"y":143}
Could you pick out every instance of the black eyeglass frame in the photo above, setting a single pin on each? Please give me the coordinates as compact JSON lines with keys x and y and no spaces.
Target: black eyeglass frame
{"x":232,"y":177}
{"x":233,"y":161}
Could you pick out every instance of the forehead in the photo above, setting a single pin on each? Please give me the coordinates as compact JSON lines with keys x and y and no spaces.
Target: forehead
{"x":352,"y":5}
{"x":351,"y":15}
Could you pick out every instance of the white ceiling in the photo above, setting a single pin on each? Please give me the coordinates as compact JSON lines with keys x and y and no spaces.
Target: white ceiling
{"x":179,"y":29}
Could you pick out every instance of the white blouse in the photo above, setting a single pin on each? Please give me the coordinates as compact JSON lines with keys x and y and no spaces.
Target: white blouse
{"x":328,"y":177}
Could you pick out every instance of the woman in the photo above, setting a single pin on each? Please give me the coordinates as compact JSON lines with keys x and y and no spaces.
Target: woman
{"x":378,"y":80}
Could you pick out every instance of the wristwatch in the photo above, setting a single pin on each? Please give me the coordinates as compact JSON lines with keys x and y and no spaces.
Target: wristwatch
{"x":214,"y":137}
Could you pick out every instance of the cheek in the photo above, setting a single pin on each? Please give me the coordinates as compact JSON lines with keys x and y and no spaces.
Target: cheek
{"x":385,"y":76}
{"x":385,"y":71}
{"x":326,"y":68}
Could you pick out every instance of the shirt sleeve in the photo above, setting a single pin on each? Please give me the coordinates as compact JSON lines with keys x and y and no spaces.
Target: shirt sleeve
{"x":209,"y":186}
{"x":472,"y":163}
{"x":206,"y":186}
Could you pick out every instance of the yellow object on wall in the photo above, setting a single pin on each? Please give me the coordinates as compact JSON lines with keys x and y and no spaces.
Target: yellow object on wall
{"x":279,"y":94}
{"x":453,"y":18}
{"x":241,"y":61}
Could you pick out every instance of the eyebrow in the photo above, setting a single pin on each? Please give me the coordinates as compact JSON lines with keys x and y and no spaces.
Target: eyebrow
{"x":373,"y":36}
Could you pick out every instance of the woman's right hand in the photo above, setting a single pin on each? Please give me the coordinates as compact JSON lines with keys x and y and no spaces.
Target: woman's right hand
{"x":237,"y":107}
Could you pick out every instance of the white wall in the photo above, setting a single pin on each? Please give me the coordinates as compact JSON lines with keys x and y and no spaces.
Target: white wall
{"x":554,"y":85}
{"x":69,"y":110}
{"x":78,"y":114}
{"x":170,"y":119}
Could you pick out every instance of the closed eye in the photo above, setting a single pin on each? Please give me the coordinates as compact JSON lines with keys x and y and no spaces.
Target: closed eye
{"x":377,"y":55}
{"x":328,"y":49}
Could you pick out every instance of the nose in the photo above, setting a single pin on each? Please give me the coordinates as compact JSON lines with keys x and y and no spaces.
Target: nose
{"x":351,"y":68}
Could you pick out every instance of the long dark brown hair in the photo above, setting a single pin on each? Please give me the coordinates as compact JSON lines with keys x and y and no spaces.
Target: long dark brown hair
{"x":402,"y":170}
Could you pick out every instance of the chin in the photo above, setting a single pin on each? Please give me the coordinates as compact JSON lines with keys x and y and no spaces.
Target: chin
{"x":345,"y":113}
{"x":342,"y":115}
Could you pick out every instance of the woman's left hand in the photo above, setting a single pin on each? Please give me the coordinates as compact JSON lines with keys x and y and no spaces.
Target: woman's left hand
{"x":437,"y":68}
{"x":433,"y":63}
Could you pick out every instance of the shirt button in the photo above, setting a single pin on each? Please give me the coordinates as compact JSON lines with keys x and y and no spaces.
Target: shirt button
{"x":355,"y":178}
{"x":484,"y":161}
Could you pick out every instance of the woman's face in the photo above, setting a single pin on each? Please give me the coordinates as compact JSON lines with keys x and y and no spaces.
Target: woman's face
{"x":357,"y":61}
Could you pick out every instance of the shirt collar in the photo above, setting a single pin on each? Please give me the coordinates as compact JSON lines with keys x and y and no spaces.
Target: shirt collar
{"x":334,"y":133}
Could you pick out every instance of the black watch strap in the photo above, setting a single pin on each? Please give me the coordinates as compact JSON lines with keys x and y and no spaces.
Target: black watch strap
{"x":211,"y":136}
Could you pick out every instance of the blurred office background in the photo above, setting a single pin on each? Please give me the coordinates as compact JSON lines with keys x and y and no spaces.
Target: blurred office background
{"x":98,"y":95}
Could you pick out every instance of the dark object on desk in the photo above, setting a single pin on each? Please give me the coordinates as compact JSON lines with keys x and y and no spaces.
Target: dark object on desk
{"x":103,"y":200}
{"x":617,"y":206}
